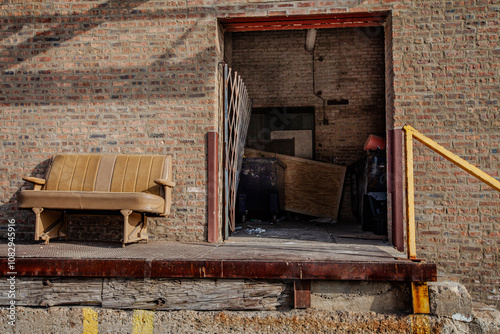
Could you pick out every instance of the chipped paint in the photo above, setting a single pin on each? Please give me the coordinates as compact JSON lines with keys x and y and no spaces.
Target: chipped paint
{"x":143,"y":322}
{"x":461,"y":317}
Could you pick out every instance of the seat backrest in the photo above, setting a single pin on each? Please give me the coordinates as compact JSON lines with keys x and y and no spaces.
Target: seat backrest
{"x":107,"y":172}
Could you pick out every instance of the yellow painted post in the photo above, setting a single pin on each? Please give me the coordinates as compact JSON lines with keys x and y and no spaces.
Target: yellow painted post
{"x":143,"y":322}
{"x":473,"y":170}
{"x":90,"y":324}
{"x":410,"y":197}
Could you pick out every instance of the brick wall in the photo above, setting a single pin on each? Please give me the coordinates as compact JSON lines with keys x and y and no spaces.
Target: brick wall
{"x":108,"y":76}
{"x":132,"y":77}
{"x":446,"y":62}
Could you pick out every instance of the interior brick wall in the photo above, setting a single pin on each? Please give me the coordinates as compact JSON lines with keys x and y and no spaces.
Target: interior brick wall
{"x":140,"y":76}
{"x":348,"y":64}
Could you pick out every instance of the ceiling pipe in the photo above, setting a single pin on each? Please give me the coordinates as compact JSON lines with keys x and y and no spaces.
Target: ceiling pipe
{"x":310,"y":39}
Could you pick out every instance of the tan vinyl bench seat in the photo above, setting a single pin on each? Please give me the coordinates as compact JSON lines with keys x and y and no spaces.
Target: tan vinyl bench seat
{"x":134,"y":185}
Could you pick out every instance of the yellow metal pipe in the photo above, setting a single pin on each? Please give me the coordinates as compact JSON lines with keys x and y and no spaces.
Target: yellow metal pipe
{"x":411,"y":133}
{"x":473,"y":170}
{"x":420,"y":295}
{"x":410,"y":206}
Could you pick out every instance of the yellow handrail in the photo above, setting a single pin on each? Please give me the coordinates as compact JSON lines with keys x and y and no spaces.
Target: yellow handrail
{"x":411,"y":133}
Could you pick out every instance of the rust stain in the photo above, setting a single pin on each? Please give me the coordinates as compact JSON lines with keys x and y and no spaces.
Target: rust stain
{"x":330,"y":270}
{"x":420,"y":297}
{"x":420,"y":324}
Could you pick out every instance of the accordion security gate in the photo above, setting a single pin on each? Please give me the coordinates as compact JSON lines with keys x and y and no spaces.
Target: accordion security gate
{"x":237,"y":109}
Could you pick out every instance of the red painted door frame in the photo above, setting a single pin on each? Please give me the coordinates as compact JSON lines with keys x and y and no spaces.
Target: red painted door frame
{"x":300,"y":22}
{"x":395,"y":185}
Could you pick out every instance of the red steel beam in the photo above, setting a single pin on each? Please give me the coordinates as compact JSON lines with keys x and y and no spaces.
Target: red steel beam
{"x":404,"y":270}
{"x":395,"y":186}
{"x":295,"y":22}
{"x":302,"y":294}
{"x":78,"y":267}
{"x":303,"y":26}
{"x":213,"y":187}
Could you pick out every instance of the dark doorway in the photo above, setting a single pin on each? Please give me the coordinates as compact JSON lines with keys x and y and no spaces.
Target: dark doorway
{"x":340,"y":84}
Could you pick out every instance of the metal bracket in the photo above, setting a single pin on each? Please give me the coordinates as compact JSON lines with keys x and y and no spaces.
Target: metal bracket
{"x":302,"y":294}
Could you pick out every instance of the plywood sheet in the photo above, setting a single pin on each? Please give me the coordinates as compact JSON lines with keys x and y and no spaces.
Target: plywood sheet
{"x":311,"y":187}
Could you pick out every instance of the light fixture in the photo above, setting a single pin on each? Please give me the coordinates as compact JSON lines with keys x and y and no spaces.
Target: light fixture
{"x":310,"y":39}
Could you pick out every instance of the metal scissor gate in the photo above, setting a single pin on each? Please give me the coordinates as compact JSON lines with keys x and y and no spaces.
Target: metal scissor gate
{"x":237,"y":109}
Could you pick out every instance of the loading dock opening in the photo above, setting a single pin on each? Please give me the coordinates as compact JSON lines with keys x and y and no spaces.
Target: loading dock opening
{"x":343,"y":73}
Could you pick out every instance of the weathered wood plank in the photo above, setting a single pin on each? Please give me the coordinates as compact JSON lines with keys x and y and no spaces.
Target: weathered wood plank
{"x":311,"y":187}
{"x":156,"y":294}
{"x":53,"y":291}
{"x":195,"y":294}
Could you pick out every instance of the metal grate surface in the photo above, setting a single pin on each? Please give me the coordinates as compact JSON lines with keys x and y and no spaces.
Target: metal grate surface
{"x":164,"y":250}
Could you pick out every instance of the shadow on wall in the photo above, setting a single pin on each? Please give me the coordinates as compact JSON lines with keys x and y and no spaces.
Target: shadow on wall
{"x":90,"y":81}
{"x":25,"y":219}
{"x":65,"y":28}
{"x":68,"y":27}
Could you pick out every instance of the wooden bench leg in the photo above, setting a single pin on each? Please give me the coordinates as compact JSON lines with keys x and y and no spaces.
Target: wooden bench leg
{"x":134,"y":226}
{"x":49,"y":224}
{"x":144,"y":230}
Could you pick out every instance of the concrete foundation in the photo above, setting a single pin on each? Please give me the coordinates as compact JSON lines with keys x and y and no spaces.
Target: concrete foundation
{"x":380,"y":297}
{"x":336,"y":307}
{"x":450,"y":299}
{"x":70,"y":320}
